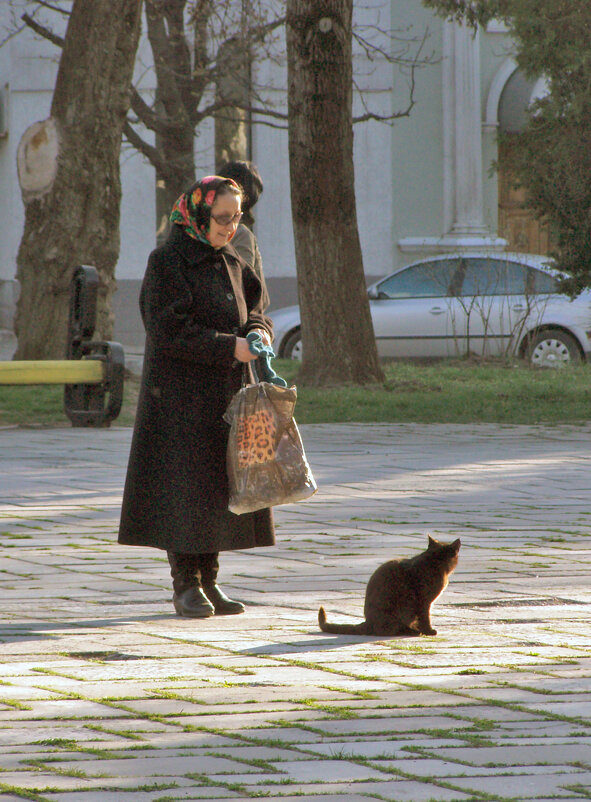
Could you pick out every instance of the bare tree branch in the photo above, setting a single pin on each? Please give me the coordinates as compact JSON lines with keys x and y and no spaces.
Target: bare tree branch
{"x":149,"y":151}
{"x":255,"y":110}
{"x":386,"y":118}
{"x":267,"y":112}
{"x":414,"y":63}
{"x":207,"y":70}
{"x":383,"y":118}
{"x":42,"y":30}
{"x":372,"y":49}
{"x":9,"y":36}
{"x":151,"y":119}
{"x":260,"y":32}
{"x":51,"y":7}
{"x":269,"y":124}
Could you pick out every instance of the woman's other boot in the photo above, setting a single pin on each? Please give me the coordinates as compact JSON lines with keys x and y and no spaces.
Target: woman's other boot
{"x":189,"y":599}
{"x":208,"y":567}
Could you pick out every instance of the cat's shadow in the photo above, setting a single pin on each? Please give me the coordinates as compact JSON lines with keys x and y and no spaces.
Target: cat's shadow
{"x":317,"y":644}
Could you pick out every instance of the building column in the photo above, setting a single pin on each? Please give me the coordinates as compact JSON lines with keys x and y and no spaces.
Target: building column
{"x":462,"y":134}
{"x":464,"y":227}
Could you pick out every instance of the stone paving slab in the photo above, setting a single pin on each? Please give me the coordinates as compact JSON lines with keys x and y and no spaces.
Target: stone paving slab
{"x":105,"y":694}
{"x":531,"y":786}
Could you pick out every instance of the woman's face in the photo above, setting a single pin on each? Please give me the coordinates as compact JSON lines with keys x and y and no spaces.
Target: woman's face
{"x":225,"y":216}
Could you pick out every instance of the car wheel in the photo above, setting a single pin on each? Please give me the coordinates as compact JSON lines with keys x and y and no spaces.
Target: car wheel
{"x":293,"y":346}
{"x":553,"y":348}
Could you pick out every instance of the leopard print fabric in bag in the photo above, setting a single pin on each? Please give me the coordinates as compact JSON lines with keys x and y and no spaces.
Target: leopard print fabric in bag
{"x":256,"y":435}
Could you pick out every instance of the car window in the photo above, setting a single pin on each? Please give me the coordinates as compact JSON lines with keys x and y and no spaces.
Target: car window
{"x":491,"y":276}
{"x":540,"y":282}
{"x":426,"y":280}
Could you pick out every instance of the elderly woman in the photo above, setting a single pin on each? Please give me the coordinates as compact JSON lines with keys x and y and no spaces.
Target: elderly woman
{"x":198,"y":302}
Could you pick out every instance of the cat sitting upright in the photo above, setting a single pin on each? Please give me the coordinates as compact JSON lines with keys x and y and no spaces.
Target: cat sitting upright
{"x":400,"y":593}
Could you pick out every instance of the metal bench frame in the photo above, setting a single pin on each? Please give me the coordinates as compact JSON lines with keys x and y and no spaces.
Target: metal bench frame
{"x":95,"y":397}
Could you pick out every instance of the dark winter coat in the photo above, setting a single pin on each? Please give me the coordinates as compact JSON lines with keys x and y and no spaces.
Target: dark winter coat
{"x":194,"y":302}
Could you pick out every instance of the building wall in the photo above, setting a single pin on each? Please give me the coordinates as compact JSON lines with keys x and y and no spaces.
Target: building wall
{"x":416,"y":142}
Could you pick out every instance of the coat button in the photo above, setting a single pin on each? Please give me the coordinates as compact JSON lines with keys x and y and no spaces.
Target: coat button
{"x":218,"y":266}
{"x":229,"y":296}
{"x":235,"y":330}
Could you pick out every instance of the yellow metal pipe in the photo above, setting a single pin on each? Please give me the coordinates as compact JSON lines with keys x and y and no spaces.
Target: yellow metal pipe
{"x":71,"y":371}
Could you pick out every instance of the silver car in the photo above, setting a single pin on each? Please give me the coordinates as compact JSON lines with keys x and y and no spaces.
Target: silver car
{"x":452,"y":305}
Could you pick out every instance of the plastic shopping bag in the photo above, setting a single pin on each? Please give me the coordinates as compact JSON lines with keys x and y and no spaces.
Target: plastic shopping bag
{"x":266,"y":462}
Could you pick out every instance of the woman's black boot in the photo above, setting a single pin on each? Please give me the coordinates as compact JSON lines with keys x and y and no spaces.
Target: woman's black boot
{"x":222,"y":604}
{"x":208,"y":566}
{"x":189,"y":599}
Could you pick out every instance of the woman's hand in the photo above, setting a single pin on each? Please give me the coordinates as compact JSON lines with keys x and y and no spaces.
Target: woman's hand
{"x":242,"y":350}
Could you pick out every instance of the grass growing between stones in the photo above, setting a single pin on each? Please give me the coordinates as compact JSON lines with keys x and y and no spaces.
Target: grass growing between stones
{"x":579,"y":789}
{"x":332,"y":710}
{"x":462,"y":391}
{"x":26,"y":793}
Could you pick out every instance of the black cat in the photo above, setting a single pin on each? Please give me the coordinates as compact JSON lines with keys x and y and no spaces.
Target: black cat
{"x":400,"y":593}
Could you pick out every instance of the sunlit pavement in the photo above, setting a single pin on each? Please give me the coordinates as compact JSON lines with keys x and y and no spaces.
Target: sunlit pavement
{"x":105,"y":694}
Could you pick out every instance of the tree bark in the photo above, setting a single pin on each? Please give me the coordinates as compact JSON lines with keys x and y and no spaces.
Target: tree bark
{"x":232,"y":132}
{"x":174,"y":107}
{"x":76,"y":220}
{"x":337,"y":332}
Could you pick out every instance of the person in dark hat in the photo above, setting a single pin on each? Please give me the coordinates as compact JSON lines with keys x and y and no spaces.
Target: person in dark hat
{"x":198,"y":300}
{"x":248,"y":178}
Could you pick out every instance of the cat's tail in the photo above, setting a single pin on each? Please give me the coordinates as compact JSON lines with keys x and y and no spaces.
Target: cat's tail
{"x":341,"y":629}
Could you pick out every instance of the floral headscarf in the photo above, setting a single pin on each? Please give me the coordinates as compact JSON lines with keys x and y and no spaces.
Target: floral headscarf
{"x":192,"y":210}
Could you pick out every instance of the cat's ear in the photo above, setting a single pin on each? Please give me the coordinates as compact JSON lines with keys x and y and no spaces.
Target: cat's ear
{"x":456,"y":544}
{"x":432,"y":543}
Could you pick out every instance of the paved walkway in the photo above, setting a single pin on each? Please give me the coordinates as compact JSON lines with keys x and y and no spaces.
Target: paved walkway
{"x":106,"y":695}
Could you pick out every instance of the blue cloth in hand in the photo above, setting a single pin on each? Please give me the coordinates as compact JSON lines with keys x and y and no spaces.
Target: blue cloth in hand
{"x":265,"y":354}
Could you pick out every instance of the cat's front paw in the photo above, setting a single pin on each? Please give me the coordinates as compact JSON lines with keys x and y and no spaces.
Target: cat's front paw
{"x":429,"y":631}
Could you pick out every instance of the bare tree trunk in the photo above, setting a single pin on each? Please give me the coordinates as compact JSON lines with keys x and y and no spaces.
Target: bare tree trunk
{"x":75,"y":220}
{"x":175,"y":134}
{"x":337,"y":332}
{"x":232,"y":132}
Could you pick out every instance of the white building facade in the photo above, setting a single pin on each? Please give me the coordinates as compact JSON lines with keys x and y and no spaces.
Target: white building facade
{"x":423,"y":185}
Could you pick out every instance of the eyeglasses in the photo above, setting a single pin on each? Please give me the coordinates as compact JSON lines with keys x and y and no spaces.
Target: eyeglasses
{"x":227,"y":219}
